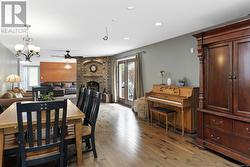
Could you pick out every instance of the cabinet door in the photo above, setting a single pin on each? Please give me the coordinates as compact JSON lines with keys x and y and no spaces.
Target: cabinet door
{"x":241,"y":83}
{"x":218,"y":87}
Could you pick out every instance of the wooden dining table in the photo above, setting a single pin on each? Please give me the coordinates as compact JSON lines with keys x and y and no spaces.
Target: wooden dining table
{"x":9,"y":125}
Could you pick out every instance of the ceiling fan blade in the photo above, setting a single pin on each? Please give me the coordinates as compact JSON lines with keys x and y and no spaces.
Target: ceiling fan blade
{"x":57,"y":56}
{"x":76,"y":57}
{"x":61,"y":50}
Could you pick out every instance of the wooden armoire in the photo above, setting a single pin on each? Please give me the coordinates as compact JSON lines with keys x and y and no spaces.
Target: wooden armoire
{"x":224,"y":98}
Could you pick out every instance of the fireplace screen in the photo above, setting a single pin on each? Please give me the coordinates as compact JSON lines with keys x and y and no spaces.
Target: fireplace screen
{"x":93,"y":86}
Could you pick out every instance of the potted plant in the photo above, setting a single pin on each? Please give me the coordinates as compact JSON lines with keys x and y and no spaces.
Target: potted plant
{"x":47,"y":97}
{"x":182,"y":82}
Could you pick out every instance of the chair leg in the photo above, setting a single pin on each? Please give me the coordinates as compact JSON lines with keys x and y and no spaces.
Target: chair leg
{"x":167,"y":123}
{"x":159,"y":121}
{"x":93,"y":146}
{"x":65,"y":155}
{"x":151,"y":117}
{"x":88,"y":143}
{"x":175,"y":121}
{"x":18,"y":162}
{"x":62,"y":162}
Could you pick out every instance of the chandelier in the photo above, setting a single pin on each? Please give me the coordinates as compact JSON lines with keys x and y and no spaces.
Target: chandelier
{"x":27,"y":49}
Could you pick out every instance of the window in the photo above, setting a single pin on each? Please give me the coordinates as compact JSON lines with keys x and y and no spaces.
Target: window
{"x":33,"y":76}
{"x":30,"y":77}
{"x":126,"y":81}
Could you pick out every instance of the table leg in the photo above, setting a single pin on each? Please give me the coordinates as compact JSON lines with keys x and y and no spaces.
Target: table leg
{"x":78,"y":132}
{"x":182,"y":121}
{"x":1,"y":147}
{"x":151,"y":117}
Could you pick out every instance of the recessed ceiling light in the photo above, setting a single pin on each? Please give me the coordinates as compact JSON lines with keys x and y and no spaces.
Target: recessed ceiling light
{"x":130,"y":7}
{"x":158,"y":24}
{"x":126,"y":38}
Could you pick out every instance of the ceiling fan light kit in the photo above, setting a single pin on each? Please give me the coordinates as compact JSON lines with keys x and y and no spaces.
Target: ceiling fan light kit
{"x":67,"y":67}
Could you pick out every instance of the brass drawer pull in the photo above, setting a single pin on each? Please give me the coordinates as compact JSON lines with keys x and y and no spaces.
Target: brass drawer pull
{"x":248,"y":130}
{"x":215,"y":138}
{"x":217,"y":123}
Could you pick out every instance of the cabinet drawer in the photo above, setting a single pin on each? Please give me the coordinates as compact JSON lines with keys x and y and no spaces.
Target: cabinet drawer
{"x":217,"y":137}
{"x":241,"y":145}
{"x":242,"y":128}
{"x":218,"y":122}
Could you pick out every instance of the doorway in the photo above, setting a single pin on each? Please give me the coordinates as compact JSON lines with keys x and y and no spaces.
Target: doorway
{"x":126,"y":80}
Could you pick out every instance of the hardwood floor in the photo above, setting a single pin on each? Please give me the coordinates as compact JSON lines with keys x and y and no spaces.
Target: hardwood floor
{"x":124,"y":141}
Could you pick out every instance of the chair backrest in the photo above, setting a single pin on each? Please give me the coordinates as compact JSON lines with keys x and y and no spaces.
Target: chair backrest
{"x":81,"y":97}
{"x":87,"y":106}
{"x":1,"y":109}
{"x":96,"y":100}
{"x":37,"y":91}
{"x":44,"y":123}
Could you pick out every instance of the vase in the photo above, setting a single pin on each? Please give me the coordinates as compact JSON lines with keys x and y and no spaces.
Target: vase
{"x":169,"y":81}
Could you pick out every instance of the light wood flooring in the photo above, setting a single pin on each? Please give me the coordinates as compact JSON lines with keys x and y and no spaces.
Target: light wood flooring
{"x":124,"y":141}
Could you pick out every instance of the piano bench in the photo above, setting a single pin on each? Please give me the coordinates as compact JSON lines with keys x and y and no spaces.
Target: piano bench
{"x":164,"y":112}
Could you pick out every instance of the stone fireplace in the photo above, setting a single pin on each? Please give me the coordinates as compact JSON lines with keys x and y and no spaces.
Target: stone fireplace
{"x":100,"y":78}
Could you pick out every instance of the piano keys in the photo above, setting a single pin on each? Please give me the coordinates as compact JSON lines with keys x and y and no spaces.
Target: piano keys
{"x":182,"y":99}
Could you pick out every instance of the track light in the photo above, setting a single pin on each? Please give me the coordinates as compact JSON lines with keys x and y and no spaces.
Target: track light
{"x":106,"y":37}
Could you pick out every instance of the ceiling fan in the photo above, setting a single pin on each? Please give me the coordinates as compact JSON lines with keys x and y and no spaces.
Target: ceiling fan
{"x":67,"y":56}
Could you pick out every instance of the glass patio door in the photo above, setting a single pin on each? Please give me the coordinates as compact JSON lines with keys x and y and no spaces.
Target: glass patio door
{"x":126,"y":79}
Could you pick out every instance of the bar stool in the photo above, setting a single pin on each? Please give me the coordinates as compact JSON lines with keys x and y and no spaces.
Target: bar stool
{"x":164,"y":112}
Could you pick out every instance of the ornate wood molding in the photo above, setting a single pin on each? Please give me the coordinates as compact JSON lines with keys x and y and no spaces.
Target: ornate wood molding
{"x":202,"y":91}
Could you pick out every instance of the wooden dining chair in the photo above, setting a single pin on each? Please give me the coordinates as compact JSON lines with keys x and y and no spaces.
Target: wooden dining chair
{"x":88,"y":104}
{"x":85,"y":107}
{"x":41,"y":121}
{"x":11,"y":149}
{"x":81,"y":97}
{"x":88,"y":132}
{"x":1,"y":109}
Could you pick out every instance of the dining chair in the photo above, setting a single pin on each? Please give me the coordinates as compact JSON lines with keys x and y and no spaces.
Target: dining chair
{"x":85,"y":107}
{"x":88,"y":132}
{"x":1,"y":109}
{"x":88,"y":104}
{"x":41,"y":122}
{"x":37,"y":91}
{"x":81,"y":97}
{"x":11,"y":149}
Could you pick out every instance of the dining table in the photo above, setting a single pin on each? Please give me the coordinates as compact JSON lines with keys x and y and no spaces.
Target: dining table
{"x":9,"y":125}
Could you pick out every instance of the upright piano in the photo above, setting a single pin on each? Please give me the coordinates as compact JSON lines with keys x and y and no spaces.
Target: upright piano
{"x":182,"y":99}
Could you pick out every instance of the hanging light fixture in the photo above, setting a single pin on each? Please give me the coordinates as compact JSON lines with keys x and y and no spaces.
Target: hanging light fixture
{"x":27,"y":49}
{"x":67,"y":67}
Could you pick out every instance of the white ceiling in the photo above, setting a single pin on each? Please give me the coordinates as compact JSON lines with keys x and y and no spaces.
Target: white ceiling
{"x":80,"y":24}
